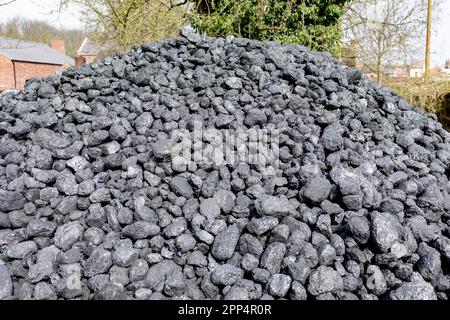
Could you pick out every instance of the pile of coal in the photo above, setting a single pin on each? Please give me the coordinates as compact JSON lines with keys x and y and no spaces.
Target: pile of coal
{"x":92,"y":206}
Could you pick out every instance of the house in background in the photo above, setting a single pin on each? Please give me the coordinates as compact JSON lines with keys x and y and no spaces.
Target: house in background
{"x":398,"y":71}
{"x":369,"y":73}
{"x":446,"y":70}
{"x":87,"y":52}
{"x":22,"y":60}
{"x":417,"y":69}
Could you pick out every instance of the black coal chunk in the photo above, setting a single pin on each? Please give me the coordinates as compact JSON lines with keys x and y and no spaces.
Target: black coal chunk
{"x":349,"y":197}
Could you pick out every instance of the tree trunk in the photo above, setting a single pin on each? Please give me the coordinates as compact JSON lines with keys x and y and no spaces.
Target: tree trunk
{"x":378,"y":72}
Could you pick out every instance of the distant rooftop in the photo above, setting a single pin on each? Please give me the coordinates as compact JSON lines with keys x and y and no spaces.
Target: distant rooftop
{"x":21,"y":50}
{"x":88,"y":48}
{"x":418,"y":64}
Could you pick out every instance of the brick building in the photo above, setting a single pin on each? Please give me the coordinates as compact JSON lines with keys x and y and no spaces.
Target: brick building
{"x":22,"y":60}
{"x":87,"y":53}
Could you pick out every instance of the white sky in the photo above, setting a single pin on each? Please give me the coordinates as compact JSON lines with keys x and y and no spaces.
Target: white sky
{"x":440,"y":37}
{"x":48,"y":10}
{"x":41,"y":10}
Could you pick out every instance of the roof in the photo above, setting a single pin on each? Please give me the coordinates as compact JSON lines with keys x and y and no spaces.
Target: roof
{"x":21,"y":50}
{"x":399,"y":70}
{"x":418,"y":64}
{"x":88,"y":48}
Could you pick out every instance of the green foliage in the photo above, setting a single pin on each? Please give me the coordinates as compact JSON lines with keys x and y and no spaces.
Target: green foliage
{"x":314,"y":23}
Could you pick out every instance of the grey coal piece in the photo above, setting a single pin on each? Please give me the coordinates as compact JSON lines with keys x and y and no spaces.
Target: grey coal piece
{"x":94,"y":206}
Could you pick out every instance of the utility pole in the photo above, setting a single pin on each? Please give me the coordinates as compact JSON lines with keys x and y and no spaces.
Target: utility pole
{"x":427,"y":47}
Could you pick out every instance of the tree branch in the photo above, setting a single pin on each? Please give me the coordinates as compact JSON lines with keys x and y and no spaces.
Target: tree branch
{"x":6,"y":3}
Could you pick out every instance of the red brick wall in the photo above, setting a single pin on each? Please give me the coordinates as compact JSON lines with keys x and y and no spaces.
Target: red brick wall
{"x":6,"y":74}
{"x":28,"y":70}
{"x":24,"y":71}
{"x":58,"y":45}
{"x":90,"y":59}
{"x":80,"y":60}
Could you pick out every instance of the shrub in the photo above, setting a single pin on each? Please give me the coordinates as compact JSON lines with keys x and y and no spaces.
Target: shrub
{"x":428,"y":95}
{"x":313,"y":23}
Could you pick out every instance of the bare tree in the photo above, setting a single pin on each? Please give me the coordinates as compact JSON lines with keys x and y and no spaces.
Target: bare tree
{"x":383,"y":31}
{"x":126,"y":22}
{"x":40,"y":31}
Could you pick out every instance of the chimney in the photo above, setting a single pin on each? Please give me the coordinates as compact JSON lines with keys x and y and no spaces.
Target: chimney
{"x":58,"y":45}
{"x":80,"y":60}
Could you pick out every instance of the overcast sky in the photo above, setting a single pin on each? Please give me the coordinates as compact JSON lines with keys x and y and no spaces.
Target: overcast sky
{"x":47,"y":10}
